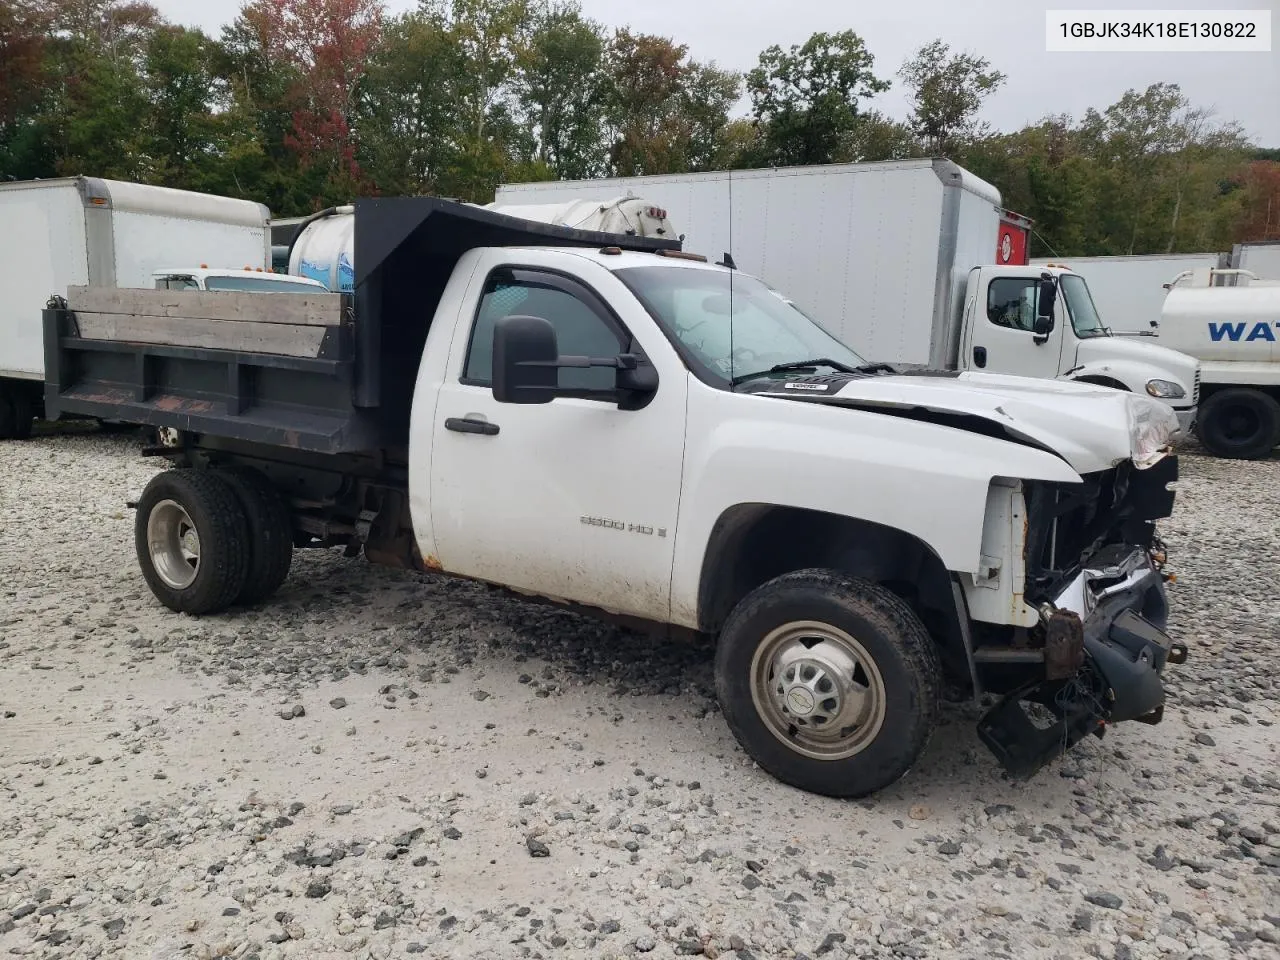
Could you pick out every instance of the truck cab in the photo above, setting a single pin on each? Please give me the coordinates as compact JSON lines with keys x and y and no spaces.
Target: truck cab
{"x":1004,"y":331}
{"x":243,"y":281}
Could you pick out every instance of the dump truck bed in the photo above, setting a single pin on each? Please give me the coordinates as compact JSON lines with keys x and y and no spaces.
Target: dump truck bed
{"x":329,"y":373}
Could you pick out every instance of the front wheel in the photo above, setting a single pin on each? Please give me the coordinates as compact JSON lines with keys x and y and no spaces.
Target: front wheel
{"x":830,"y":683}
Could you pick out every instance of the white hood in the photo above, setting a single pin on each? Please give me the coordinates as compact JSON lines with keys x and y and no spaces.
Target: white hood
{"x":1167,"y":364}
{"x":1091,"y":427}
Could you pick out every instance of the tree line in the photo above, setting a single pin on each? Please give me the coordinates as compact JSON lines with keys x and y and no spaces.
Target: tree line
{"x":300,"y":104}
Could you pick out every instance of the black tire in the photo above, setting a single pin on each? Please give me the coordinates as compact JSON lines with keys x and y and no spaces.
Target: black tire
{"x":219,"y":522}
{"x":270,"y":533}
{"x":16,"y":413}
{"x":1239,"y":424}
{"x":889,"y":633}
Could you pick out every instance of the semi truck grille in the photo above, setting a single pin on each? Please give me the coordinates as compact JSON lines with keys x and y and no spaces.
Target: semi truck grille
{"x":1195,"y":388}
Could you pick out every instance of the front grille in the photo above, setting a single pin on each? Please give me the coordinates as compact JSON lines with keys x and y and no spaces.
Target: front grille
{"x":1069,"y":523}
{"x":1195,"y":388}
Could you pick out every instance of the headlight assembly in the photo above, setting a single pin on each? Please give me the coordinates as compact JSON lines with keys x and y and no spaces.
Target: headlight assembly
{"x":1151,"y":425}
{"x":1165,"y":390}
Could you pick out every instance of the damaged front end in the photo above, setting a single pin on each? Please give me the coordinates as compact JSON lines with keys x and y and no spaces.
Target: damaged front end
{"x":1095,"y":573}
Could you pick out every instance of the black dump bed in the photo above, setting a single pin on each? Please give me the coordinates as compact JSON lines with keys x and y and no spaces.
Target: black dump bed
{"x":332,"y":373}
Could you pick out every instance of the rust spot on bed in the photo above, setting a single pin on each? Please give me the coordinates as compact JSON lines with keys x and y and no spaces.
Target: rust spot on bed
{"x":182,"y":405}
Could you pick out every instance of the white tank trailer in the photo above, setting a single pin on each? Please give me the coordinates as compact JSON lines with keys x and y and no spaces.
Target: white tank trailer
{"x":323,"y":245}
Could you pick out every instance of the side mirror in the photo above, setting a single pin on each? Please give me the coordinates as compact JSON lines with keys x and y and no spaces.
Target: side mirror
{"x":1047,"y":300}
{"x":525,"y":359}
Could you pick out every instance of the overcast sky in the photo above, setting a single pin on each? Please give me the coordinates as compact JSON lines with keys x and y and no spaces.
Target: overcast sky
{"x":1010,"y":33}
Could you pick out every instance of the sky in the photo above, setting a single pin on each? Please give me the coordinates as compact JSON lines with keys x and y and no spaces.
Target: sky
{"x":1244,"y":87}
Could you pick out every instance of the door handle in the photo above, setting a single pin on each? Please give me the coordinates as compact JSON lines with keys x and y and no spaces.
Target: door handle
{"x":979,"y":356}
{"x":471,"y":425}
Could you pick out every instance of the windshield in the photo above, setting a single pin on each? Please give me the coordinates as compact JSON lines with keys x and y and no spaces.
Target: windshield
{"x":1084,"y":315}
{"x":260,"y":285}
{"x":693,"y":305}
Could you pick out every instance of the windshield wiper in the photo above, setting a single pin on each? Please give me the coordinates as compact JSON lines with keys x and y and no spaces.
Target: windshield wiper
{"x":810,"y":365}
{"x":806,"y":364}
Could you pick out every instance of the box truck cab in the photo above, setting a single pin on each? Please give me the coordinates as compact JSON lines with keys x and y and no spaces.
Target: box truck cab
{"x":1004,"y":330}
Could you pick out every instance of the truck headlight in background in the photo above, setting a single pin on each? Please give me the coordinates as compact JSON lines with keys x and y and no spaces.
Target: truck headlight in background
{"x":1151,"y":425}
{"x":1165,"y":389}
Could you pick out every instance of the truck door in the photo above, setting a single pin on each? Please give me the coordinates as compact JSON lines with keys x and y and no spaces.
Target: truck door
{"x":573,"y":499}
{"x":1002,"y":335}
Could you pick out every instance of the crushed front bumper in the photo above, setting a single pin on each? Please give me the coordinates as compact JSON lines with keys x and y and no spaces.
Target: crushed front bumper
{"x":1105,"y":652}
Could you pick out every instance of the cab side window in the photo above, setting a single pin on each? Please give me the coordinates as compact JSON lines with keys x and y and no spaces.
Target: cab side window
{"x":580,"y":329}
{"x":1012,"y":302}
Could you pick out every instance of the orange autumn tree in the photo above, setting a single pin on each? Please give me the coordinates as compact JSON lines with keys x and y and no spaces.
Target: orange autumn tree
{"x":1262,"y":213}
{"x":327,"y":44}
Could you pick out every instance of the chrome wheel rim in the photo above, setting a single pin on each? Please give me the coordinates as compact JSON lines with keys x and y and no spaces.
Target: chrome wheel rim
{"x":174,"y":544}
{"x":818,"y":690}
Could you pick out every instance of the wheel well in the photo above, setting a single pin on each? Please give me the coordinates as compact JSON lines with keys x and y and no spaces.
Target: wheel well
{"x":1103,"y":382}
{"x":751,"y":544}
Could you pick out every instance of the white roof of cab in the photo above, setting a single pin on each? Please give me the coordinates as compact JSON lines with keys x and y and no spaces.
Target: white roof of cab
{"x":204,"y":272}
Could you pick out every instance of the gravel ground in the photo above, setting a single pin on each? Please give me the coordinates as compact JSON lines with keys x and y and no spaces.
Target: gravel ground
{"x":382,"y":764}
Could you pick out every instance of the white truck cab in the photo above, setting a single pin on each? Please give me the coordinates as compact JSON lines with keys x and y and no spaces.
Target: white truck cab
{"x":243,"y":281}
{"x":1000,"y":333}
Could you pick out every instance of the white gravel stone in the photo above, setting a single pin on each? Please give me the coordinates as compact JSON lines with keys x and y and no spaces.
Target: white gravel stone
{"x":209,"y":819}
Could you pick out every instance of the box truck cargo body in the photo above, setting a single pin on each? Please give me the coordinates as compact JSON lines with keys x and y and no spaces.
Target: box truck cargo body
{"x":1261,"y":258}
{"x":906,"y":262}
{"x":876,"y":252}
{"x":84,"y":231}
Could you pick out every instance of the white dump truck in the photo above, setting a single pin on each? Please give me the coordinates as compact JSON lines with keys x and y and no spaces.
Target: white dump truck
{"x":905,"y":261}
{"x":59,"y":233}
{"x":616,"y":425}
{"x":1234,"y":329}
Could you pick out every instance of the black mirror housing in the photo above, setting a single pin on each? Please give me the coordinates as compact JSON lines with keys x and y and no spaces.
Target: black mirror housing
{"x":525,"y":356}
{"x":1046,"y":301}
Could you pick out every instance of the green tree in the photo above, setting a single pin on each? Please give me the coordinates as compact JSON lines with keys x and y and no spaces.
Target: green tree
{"x":667,"y":113}
{"x":560,"y":84}
{"x":182,"y":89}
{"x":947,"y":93}
{"x":876,"y":136}
{"x":410,"y":119}
{"x":806,"y":99}
{"x":490,"y":37}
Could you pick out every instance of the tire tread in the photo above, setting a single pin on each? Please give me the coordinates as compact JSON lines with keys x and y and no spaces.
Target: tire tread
{"x":224,"y":548}
{"x":887,"y":613}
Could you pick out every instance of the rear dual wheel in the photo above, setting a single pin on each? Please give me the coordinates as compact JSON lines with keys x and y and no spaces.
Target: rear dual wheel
{"x":208,"y":539}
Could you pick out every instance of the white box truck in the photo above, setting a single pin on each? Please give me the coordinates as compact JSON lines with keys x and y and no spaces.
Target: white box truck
{"x":904,"y":261}
{"x":85,"y":231}
{"x":1261,"y":258}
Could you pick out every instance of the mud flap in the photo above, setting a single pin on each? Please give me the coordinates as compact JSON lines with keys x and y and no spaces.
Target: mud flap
{"x":1023,"y":747}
